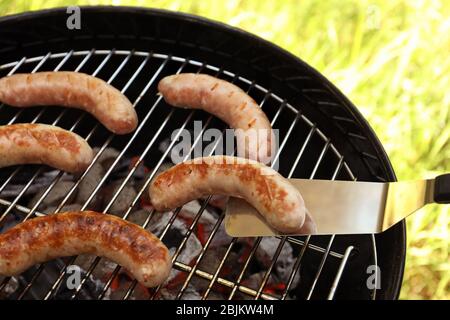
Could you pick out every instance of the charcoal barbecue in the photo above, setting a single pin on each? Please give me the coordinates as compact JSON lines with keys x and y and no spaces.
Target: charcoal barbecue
{"x":322,"y":136}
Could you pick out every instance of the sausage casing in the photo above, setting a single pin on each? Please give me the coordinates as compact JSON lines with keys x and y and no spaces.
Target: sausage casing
{"x":86,"y":232}
{"x":228,"y":102}
{"x":272,"y":195}
{"x":71,"y":89}
{"x":43,"y":144}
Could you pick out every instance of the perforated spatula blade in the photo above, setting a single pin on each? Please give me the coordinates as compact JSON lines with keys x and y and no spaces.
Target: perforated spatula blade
{"x":345,"y":207}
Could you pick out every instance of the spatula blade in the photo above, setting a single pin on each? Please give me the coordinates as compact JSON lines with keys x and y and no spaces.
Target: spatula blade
{"x":337,"y":207}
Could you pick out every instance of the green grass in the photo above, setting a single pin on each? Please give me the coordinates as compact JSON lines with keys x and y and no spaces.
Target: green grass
{"x":391,"y":59}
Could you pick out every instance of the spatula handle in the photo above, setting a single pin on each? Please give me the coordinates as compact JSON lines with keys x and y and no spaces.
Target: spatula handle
{"x":442,"y":188}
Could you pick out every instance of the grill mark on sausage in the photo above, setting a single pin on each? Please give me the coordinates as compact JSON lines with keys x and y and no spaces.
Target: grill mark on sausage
{"x":252,"y":123}
{"x":214,"y":86}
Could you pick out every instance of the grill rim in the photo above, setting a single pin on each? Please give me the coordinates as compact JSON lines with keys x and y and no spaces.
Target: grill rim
{"x":398,"y":233}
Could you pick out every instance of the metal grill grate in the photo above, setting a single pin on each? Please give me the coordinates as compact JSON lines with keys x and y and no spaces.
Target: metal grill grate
{"x":278,"y":110}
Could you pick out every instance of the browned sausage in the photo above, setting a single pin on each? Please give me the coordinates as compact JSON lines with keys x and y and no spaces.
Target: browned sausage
{"x":227,"y":102}
{"x":272,"y":195}
{"x":43,"y":144}
{"x":71,"y":89}
{"x":72,"y":233}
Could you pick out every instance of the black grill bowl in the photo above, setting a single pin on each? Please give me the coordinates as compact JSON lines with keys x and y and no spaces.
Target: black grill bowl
{"x":247,"y":56}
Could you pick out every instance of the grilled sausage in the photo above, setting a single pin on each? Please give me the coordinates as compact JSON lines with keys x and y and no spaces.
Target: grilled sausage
{"x":273,"y":196}
{"x":71,"y":89}
{"x":43,"y":144}
{"x":72,"y":233}
{"x":229,"y":103}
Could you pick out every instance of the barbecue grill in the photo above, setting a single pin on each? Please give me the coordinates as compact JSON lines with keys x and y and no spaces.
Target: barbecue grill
{"x":322,"y":135}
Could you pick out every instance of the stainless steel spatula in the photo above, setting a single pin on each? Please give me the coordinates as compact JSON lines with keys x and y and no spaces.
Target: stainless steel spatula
{"x":346,"y":207}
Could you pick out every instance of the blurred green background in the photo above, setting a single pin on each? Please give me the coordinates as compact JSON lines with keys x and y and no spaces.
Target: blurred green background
{"x":391,"y":58}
